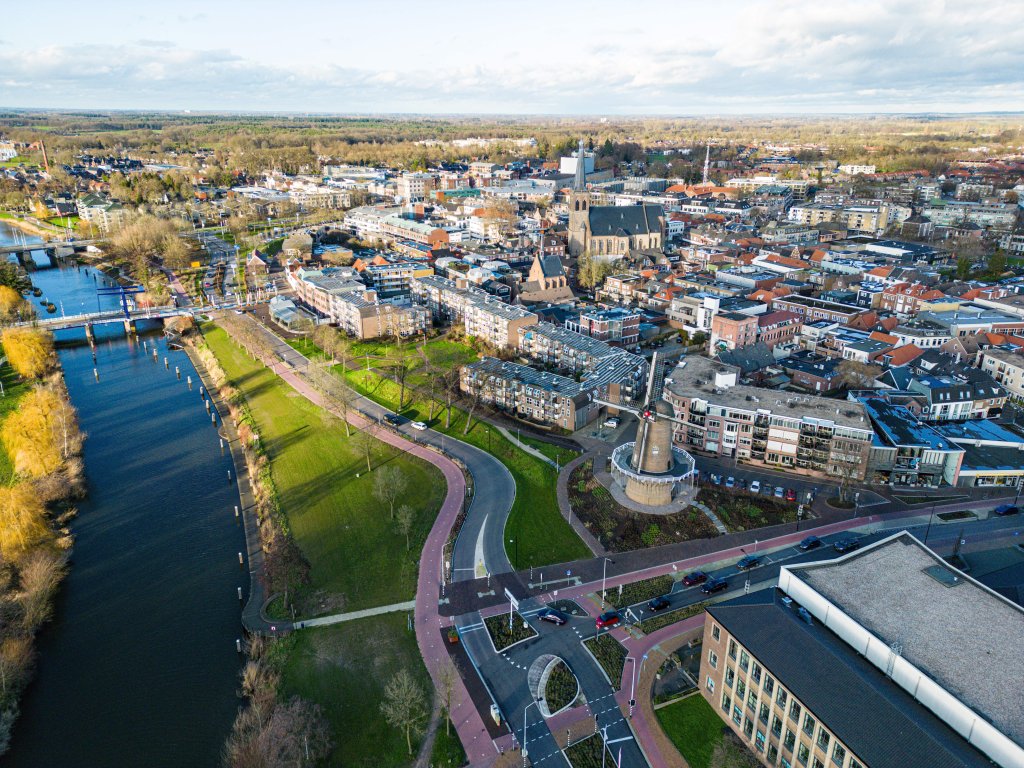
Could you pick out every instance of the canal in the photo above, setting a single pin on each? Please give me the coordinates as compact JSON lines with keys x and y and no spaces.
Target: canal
{"x":139,"y":665}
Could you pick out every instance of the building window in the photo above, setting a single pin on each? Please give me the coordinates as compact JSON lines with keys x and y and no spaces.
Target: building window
{"x":759,"y":741}
{"x":748,"y":728}
{"x":726,"y":702}
{"x":823,"y":739}
{"x":802,"y":753}
{"x":809,"y":723}
{"x":730,"y":675}
{"x":737,"y":715}
{"x":817,"y":763}
{"x":839,"y":755}
{"x":780,"y":698}
{"x":732,"y":650}
{"x":784,"y":763}
{"x":776,"y":726}
{"x":713,"y":659}
{"x":855,"y":764}
{"x":763,"y":714}
{"x":711,"y":684}
{"x":772,"y":753}
{"x":741,"y":690}
{"x":716,"y":633}
{"x":794,"y":711}
{"x":744,"y":661}
{"x":789,"y":741}
{"x":756,"y":673}
{"x":752,"y":699}
{"x":768,"y":687}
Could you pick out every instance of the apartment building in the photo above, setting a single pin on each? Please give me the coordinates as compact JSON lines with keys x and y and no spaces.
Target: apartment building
{"x":621,"y":289}
{"x":106,"y":215}
{"x":859,"y":218}
{"x":801,"y":433}
{"x":855,"y":170}
{"x":848,"y":665}
{"x":812,"y":310}
{"x":367,"y":221}
{"x":398,"y":228}
{"x":733,"y":330}
{"x":616,"y":325}
{"x":778,"y":328}
{"x":1006,"y":367}
{"x":750,"y":184}
{"x":570,"y":352}
{"x":952,"y":213}
{"x":484,"y":317}
{"x":414,"y":187}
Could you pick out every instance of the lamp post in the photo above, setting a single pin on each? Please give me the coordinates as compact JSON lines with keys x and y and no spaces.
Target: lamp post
{"x":929,"y":528}
{"x":632,"y":684}
{"x":856,"y":504}
{"x":604,"y":575}
{"x":516,"y":542}
{"x":525,"y":710}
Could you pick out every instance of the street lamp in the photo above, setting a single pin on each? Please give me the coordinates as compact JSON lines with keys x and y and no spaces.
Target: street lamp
{"x":604,"y":576}
{"x":929,"y":528}
{"x":856,"y":504}
{"x":516,"y":542}
{"x":525,"y":710}
{"x":632,"y":684}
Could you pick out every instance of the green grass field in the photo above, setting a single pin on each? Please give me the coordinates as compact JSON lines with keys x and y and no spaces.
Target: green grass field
{"x":544,"y":535}
{"x":14,"y":390}
{"x":448,"y":751}
{"x":347,"y":536}
{"x":693,"y":727}
{"x":344,"y":668}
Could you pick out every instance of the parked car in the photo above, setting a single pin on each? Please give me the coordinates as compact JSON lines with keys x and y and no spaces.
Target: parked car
{"x":716,"y":479}
{"x":742,"y":483}
{"x":1006,"y":509}
{"x":779,"y":493}
{"x":554,"y":616}
{"x":846,"y":545}
{"x":811,"y":542}
{"x":790,"y":494}
{"x":716,"y":584}
{"x":767,"y":490}
{"x":612,"y":422}
{"x":418,"y":425}
{"x":608,"y":619}
{"x":749,"y":562}
{"x":694,"y":578}
{"x":730,"y":482}
{"x":755,"y":486}
{"x":659,"y":603}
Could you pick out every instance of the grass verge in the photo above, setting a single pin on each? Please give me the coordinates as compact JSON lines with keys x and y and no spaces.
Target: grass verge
{"x":561,"y":688}
{"x":358,"y":559}
{"x":694,"y":728}
{"x":448,"y":751}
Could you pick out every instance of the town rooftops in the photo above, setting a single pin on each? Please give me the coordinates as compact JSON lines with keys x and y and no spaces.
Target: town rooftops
{"x":961,"y":634}
{"x":876,"y":720}
{"x":695,"y":378}
{"x":900,"y":427}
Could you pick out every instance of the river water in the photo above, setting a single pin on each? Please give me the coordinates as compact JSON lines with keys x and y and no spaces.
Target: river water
{"x":139,"y":666}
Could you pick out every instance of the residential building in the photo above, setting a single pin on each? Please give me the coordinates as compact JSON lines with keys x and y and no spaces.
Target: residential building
{"x":106,"y":215}
{"x":399,"y":228}
{"x":859,"y":218}
{"x":621,"y":289}
{"x":801,"y":433}
{"x":732,"y":330}
{"x":482,"y":315}
{"x":1006,"y":367}
{"x":570,"y":352}
{"x":812,"y":310}
{"x":908,"y":451}
{"x":952,"y":213}
{"x":855,"y":170}
{"x":616,"y":325}
{"x":414,"y":187}
{"x":778,"y":329}
{"x":849,"y":664}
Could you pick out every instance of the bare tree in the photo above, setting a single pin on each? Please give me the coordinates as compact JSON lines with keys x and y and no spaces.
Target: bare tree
{"x":858,"y":375}
{"x":450,"y":392}
{"x":388,"y":485}
{"x":448,"y":689}
{"x":404,"y":518}
{"x":365,"y":441}
{"x":400,"y":367}
{"x":475,"y":389}
{"x":404,"y":705}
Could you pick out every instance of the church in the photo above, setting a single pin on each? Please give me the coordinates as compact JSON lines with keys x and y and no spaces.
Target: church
{"x":611,"y":230}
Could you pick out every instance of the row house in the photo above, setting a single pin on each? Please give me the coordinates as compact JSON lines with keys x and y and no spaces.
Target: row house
{"x":812,"y":310}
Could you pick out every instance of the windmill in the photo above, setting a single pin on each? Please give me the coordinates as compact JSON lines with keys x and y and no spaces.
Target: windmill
{"x":651,"y":468}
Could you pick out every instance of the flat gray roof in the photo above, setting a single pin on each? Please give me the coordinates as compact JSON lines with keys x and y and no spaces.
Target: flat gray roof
{"x":964,"y":636}
{"x":695,"y":377}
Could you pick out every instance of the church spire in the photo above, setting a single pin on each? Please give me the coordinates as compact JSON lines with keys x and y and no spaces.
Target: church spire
{"x":579,"y":184}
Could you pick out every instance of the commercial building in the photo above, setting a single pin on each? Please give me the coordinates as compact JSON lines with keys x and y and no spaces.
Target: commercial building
{"x":884,"y":658}
{"x":811,"y":310}
{"x":414,"y":187}
{"x":803,"y":433}
{"x":907,"y":451}
{"x":398,"y":228}
{"x":733,"y":330}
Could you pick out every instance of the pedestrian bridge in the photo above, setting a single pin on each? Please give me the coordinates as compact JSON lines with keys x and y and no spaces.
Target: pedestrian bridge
{"x":89,"y":319}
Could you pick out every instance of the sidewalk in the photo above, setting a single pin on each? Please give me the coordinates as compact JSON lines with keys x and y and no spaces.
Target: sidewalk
{"x":338,"y":618}
{"x":562,"y":493}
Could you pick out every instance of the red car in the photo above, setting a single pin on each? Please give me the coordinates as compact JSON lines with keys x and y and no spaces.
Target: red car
{"x":695,"y":578}
{"x":790,"y":494}
{"x":608,"y":620}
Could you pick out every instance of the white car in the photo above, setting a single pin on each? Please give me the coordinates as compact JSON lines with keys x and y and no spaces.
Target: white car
{"x":755,"y":487}
{"x":418,"y":425}
{"x":612,"y":422}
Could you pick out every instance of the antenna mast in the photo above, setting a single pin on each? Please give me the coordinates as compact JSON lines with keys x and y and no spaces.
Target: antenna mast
{"x":707,"y":162}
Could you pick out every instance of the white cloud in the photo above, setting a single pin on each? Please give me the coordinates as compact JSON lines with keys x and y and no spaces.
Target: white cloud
{"x":602,"y":57}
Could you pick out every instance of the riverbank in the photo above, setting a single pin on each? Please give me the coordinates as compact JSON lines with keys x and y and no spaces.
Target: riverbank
{"x":29,"y":227}
{"x":42,"y":445}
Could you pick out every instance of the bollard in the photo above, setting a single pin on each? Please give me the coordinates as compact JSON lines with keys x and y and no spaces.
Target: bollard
{"x":239,"y":593}
{"x":201,"y":390}
{"x":221,"y":443}
{"x":96,"y":373}
{"x":166,"y":364}
{"x":238,"y":645}
{"x":177,"y":372}
{"x":154,"y":353}
{"x":236,"y":510}
{"x":207,"y":404}
{"x":213,"y":419}
{"x":240,"y":561}
{"x":229,"y":475}
{"x":189,"y":380}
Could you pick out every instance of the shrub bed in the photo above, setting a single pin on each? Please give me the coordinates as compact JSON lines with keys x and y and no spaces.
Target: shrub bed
{"x":742,"y":511}
{"x":610,"y":654}
{"x":639,"y":591}
{"x":561,"y":688}
{"x":661,"y":620}
{"x":586,"y":753}
{"x":502,"y":636}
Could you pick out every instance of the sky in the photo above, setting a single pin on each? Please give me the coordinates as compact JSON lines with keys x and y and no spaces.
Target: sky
{"x":673,"y":57}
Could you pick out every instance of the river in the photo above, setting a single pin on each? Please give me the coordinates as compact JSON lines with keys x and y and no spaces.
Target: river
{"x":139,"y":665}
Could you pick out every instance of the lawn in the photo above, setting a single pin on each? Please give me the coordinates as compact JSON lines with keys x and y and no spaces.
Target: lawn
{"x":693,"y":727}
{"x":358,"y":558}
{"x":544,"y":535}
{"x":14,"y":390}
{"x":344,"y":668}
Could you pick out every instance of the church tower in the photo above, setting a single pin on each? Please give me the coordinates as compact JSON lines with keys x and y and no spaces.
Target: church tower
{"x":579,"y":207}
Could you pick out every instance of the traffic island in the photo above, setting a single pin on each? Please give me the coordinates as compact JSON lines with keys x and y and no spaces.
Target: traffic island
{"x":505,"y":633}
{"x":587,"y":753}
{"x":610,"y":654}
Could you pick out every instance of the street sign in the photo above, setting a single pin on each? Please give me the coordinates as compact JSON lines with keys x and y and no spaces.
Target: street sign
{"x":511,"y":599}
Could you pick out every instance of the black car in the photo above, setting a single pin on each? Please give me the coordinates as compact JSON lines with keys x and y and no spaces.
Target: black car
{"x":748,"y":562}
{"x":553,"y":615}
{"x":846,"y":545}
{"x":393,"y":419}
{"x":659,"y":603}
{"x":811,"y":542}
{"x":717,"y":584}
